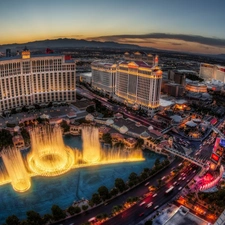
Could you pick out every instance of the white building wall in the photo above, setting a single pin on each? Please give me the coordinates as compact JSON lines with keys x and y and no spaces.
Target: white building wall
{"x":139,"y":85}
{"x":36,"y":80}
{"x":103,"y":77}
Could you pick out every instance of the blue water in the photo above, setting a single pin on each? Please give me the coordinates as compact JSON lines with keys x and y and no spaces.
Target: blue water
{"x":64,"y":189}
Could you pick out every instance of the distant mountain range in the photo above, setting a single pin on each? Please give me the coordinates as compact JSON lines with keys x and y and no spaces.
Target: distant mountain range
{"x":66,"y":43}
{"x":222,"y":56}
{"x":63,"y":43}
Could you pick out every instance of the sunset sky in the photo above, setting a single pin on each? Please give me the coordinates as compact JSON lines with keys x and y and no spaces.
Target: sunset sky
{"x":182,"y":25}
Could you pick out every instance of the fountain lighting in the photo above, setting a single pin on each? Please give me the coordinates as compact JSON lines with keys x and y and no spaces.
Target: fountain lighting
{"x":16,"y":170}
{"x":49,"y":156}
{"x":91,"y":144}
{"x":93,"y":154}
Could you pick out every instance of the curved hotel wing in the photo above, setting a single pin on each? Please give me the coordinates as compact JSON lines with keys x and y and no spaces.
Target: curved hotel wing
{"x":139,"y":83}
{"x":209,"y":72}
{"x":27,"y":80}
{"x":103,"y":76}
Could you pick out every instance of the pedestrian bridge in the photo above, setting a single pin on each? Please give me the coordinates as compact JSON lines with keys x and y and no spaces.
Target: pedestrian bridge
{"x":216,"y":130}
{"x":198,"y":162}
{"x":167,"y":129}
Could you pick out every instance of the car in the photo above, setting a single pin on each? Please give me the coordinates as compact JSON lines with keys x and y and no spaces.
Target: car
{"x":156,"y":207}
{"x":142,"y":203}
{"x":179,"y":178}
{"x":149,"y":205}
{"x":141,"y":214}
{"x":147,"y":184}
{"x":179,"y":188}
{"x":154,"y":195}
{"x":183,"y":178}
{"x":175,"y":183}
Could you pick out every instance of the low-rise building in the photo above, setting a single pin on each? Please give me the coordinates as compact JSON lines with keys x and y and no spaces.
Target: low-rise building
{"x":75,"y":129}
{"x":18,"y":141}
{"x":130,"y":142}
{"x":103,"y":130}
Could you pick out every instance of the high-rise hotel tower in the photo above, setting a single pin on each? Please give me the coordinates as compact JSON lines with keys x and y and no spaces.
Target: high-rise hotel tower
{"x":104,"y":76}
{"x":139,"y":83}
{"x":27,"y":80}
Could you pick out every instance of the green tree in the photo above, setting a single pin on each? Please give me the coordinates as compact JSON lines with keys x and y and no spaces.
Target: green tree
{"x":120,"y":185}
{"x":90,"y":109}
{"x":102,"y":216}
{"x":157,"y":162}
{"x":144,"y":175}
{"x":133,"y":176}
{"x":117,"y":208}
{"x":57,"y":212}
{"x":71,"y":210}
{"x":65,"y":126}
{"x":34,"y":218}
{"x":5,"y":139}
{"x":84,"y":207}
{"x":26,"y":136}
{"x":114,"y":192}
{"x":147,"y":170}
{"x":96,"y":199}
{"x":133,"y":179}
{"x":12,"y":220}
{"x":91,"y":203}
{"x":107,"y":138}
{"x":98,"y":105}
{"x":47,"y":218}
{"x":149,"y":222}
{"x":103,"y":192}
{"x":139,"y":143}
{"x":77,"y":209}
{"x":24,"y":222}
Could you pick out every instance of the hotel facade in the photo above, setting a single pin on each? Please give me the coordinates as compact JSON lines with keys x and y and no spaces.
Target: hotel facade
{"x":135,"y":83}
{"x":138,"y":83}
{"x":26,"y":80}
{"x":104,"y":76}
{"x":209,"y":72}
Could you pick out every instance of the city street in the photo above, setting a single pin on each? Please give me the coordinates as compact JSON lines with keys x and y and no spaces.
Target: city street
{"x":133,"y":212}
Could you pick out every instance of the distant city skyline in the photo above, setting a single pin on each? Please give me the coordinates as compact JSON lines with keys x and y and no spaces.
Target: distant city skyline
{"x":179,"y":25}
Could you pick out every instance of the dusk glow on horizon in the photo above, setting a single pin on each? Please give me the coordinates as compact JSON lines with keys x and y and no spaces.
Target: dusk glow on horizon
{"x":193,"y":26}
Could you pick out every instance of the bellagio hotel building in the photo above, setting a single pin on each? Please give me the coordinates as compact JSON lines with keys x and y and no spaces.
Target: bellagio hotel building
{"x":26,"y":80}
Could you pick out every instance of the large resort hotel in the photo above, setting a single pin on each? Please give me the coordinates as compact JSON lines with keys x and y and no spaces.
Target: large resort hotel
{"x":138,"y":83}
{"x":36,"y":79}
{"x":132,"y":81}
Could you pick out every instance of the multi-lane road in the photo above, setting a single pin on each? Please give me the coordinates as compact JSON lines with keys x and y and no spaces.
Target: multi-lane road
{"x":132,"y":215}
{"x":135,"y":214}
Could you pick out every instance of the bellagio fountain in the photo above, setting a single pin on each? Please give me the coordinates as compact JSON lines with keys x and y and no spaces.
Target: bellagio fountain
{"x":49,"y":156}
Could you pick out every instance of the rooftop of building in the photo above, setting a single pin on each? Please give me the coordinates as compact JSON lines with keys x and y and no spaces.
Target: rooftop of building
{"x":185,"y":71}
{"x":197,"y":84}
{"x":184,"y":216}
{"x":32,"y":56}
{"x":82,"y":104}
{"x":138,"y":63}
{"x":131,"y":125}
{"x":103,"y":63}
